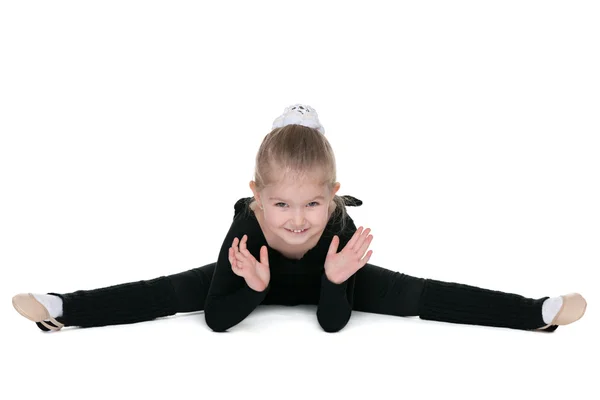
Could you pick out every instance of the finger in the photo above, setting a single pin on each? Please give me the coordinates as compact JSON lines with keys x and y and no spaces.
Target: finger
{"x":234,"y":244}
{"x":248,"y":256}
{"x":365,"y":259}
{"x":239,"y":256}
{"x":236,"y":247}
{"x":364,"y":246}
{"x":333,"y":245}
{"x":240,"y":260}
{"x":232,"y":260}
{"x":360,"y":241}
{"x":354,"y":238}
{"x":243,"y":242}
{"x":264,"y":256}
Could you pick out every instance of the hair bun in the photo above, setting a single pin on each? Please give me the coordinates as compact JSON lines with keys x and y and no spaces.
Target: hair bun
{"x":299,"y":114}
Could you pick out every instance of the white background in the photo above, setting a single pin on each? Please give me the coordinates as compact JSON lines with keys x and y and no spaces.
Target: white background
{"x":469,"y":130}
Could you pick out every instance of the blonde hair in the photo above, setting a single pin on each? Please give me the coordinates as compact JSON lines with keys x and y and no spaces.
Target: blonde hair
{"x":298,"y":152}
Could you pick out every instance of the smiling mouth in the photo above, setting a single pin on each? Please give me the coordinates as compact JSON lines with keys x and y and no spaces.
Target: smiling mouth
{"x":296,"y":231}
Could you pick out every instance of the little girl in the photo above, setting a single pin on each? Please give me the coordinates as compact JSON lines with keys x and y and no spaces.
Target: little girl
{"x":294,"y":243}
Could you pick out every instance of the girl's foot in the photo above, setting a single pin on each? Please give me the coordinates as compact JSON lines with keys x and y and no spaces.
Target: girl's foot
{"x":28,"y":306}
{"x":562,"y":310}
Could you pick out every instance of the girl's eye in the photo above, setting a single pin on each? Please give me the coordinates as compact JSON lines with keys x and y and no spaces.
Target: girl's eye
{"x":316,"y":203}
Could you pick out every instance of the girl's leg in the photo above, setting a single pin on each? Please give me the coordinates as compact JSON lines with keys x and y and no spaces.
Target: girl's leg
{"x":138,"y":301}
{"x":382,"y":291}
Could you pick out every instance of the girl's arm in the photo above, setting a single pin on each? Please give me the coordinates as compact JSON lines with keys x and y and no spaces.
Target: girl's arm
{"x":335,"y":303}
{"x":336,"y":299}
{"x":230,"y":300}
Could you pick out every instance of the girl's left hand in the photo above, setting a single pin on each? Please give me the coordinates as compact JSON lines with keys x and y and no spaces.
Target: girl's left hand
{"x":341,"y":266}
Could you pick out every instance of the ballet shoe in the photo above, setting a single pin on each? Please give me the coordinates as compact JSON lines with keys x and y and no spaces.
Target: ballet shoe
{"x":572,"y":309}
{"x":42,"y":327}
{"x":28,"y":306}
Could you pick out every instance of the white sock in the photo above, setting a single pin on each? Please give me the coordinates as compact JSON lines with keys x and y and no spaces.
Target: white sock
{"x":53,"y":304}
{"x":550,"y":308}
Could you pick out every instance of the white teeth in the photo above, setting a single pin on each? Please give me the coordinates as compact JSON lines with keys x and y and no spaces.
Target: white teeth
{"x":302,"y":230}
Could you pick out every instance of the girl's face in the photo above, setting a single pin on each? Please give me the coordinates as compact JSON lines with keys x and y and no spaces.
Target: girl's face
{"x":300,"y":206}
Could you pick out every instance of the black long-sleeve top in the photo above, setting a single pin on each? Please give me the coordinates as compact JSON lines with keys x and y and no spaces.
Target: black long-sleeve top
{"x":292,"y":282}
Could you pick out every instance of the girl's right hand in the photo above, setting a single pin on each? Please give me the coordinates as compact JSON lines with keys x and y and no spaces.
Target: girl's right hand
{"x":256,"y":274}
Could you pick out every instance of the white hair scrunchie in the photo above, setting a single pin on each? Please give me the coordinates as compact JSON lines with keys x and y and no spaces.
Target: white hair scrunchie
{"x":299,"y":114}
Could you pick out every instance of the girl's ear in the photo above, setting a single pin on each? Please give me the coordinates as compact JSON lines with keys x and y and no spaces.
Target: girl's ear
{"x":336,"y":187}
{"x":254,"y":192}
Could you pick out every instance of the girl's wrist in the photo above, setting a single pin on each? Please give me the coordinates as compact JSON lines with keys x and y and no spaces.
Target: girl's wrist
{"x":333,"y":280}
{"x":256,"y":284}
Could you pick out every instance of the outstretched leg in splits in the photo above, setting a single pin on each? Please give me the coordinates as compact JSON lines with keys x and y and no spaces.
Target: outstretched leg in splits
{"x":377,"y":290}
{"x":383,"y":291}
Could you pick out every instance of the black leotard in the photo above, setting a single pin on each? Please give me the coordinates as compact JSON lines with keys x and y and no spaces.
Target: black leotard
{"x":292,"y":282}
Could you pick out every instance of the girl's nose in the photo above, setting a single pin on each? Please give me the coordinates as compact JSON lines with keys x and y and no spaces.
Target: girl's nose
{"x":299,"y":219}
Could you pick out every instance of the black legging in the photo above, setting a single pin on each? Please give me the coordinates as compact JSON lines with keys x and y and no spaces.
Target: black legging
{"x":377,"y":290}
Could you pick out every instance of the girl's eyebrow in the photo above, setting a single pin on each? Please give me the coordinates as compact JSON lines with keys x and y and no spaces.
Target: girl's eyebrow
{"x":278,"y":198}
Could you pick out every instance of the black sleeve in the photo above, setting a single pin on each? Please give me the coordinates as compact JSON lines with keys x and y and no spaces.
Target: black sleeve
{"x":335,"y":303}
{"x":336,"y":300}
{"x":229,"y":298}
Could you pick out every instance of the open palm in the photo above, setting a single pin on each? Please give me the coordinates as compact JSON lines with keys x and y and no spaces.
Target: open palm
{"x":256,"y":273}
{"x":340,"y":266}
